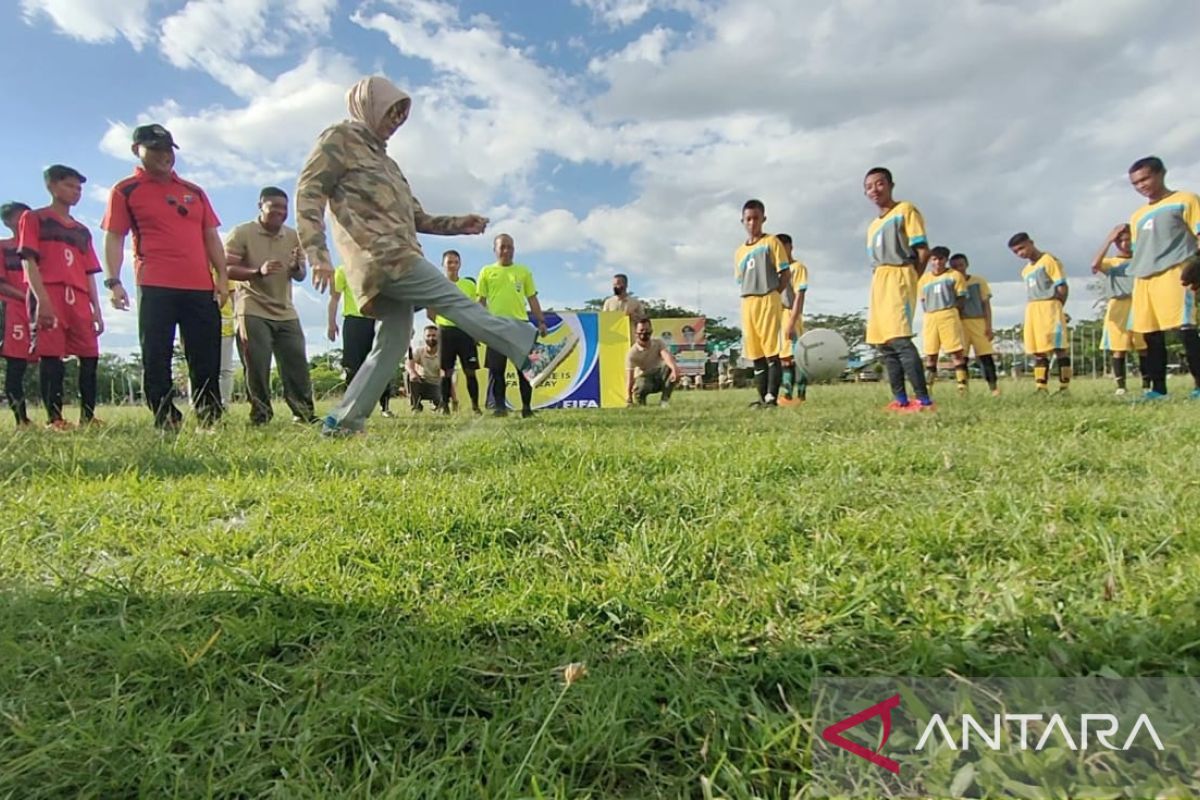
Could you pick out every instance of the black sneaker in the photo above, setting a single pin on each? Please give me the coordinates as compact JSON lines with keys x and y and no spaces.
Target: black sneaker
{"x":526,"y":413}
{"x":500,"y":412}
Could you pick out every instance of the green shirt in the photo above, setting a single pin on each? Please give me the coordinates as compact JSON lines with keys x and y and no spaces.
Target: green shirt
{"x":467,"y":287}
{"x":506,"y":289}
{"x":349,"y":304}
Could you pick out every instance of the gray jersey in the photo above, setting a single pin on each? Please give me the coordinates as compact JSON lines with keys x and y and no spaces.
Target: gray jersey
{"x":1116,"y":279}
{"x":1164,"y":233}
{"x":978,"y":293}
{"x":1043,"y":277}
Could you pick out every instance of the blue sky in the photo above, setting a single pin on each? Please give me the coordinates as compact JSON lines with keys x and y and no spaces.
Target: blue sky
{"x":623,"y":135}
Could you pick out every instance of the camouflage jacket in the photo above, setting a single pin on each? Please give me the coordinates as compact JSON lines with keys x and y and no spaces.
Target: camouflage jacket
{"x":376,"y":219}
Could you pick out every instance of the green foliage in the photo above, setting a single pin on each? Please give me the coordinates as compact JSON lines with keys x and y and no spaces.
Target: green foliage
{"x":263,"y":613}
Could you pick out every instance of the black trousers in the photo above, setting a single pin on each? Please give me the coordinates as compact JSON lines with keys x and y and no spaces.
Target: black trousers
{"x":195,"y":313}
{"x":358,"y":337}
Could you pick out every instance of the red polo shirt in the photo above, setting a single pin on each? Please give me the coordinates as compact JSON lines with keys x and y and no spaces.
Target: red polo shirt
{"x":61,"y":246}
{"x":168,"y":219}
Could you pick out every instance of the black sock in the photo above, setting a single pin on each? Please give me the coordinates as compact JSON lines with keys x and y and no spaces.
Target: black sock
{"x":14,"y":388}
{"x":761,"y":378}
{"x":496,"y":386}
{"x":473,"y":389}
{"x":895,"y":372}
{"x":1144,"y":370}
{"x":88,"y":388}
{"x":526,"y":389}
{"x":50,"y":376}
{"x":1191,"y":349}
{"x":988,"y":364}
{"x":774,"y":376}
{"x":914,"y":370}
{"x":930,"y":375}
{"x":1064,"y":371}
{"x":446,"y":390}
{"x":1119,"y":369}
{"x":1156,"y":361}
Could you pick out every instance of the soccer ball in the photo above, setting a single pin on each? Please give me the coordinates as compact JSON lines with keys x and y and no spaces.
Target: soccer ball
{"x":822,"y":354}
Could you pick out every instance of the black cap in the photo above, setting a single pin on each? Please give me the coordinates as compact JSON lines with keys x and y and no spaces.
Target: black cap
{"x":58,"y":172}
{"x":153,"y":136}
{"x":12,"y":208}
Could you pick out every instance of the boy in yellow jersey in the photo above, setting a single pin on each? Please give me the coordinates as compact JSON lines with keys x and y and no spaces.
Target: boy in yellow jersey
{"x":942,"y":292}
{"x":977,"y":321}
{"x":454,"y":342}
{"x":760,"y":266}
{"x":794,"y":381}
{"x":1045,"y":322}
{"x":1163,"y":235}
{"x":1118,"y":291}
{"x":898,"y":249}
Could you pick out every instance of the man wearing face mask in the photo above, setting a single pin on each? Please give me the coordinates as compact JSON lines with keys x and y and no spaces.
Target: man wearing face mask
{"x":424,"y":367}
{"x":175,"y":240}
{"x":649,"y":367}
{"x":625,"y":301}
{"x":376,"y":220}
{"x":265,"y":255}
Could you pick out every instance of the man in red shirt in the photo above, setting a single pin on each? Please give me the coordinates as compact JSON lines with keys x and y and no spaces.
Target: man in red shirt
{"x":64,"y":307}
{"x":175,"y":240}
{"x":17,"y":349}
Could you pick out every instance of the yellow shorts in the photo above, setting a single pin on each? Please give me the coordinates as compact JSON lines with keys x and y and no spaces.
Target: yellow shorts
{"x":1117,"y":336}
{"x":975,"y":337}
{"x":942,"y":332}
{"x":1162,"y":303}
{"x":785,"y":341}
{"x":762,"y":317}
{"x":893,"y":302}
{"x":1045,"y":327}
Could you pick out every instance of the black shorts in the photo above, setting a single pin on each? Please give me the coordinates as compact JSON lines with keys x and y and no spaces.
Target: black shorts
{"x":454,"y":343}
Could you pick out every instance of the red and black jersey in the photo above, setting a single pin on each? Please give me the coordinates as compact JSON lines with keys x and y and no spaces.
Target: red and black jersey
{"x":61,"y":246}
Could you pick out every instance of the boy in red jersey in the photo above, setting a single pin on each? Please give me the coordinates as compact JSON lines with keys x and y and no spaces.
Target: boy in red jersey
{"x":16,"y":350}
{"x":60,"y":267}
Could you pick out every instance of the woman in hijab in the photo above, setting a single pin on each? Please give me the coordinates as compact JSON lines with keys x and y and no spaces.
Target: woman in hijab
{"x":376,"y":220}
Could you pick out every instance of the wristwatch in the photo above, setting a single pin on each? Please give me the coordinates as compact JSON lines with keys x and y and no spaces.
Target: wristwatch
{"x":111,"y":283}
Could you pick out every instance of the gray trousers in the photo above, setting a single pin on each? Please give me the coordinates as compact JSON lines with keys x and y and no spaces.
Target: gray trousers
{"x":423,"y":285}
{"x":649,"y":383}
{"x":283,"y":339}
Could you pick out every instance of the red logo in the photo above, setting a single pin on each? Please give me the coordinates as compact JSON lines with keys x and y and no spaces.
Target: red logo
{"x":833,"y":734}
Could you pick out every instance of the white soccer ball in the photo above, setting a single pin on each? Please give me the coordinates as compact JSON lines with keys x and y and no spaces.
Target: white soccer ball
{"x":822,"y":353}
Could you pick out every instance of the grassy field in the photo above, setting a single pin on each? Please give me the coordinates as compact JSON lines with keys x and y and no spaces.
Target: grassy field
{"x":263,"y":613}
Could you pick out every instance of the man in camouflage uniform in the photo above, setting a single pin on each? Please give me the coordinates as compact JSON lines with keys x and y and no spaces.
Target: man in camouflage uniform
{"x":376,"y":220}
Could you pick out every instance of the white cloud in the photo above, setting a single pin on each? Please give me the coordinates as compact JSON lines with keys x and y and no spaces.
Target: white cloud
{"x":95,"y":21}
{"x":620,"y":13}
{"x":262,"y":142}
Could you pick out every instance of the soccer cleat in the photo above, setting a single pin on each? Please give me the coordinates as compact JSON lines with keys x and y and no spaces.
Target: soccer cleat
{"x":664,"y":403}
{"x":330,"y":428}
{"x":386,"y":414}
{"x":93,"y":422}
{"x":443,"y":410}
{"x":784,"y":400}
{"x":900,"y":408}
{"x":526,"y":413}
{"x":921,"y":405}
{"x":59,"y":426}
{"x":1120,"y":392}
{"x":1194,"y":394}
{"x":1151,"y":396}
{"x":995,"y":392}
{"x":475,"y":410}
{"x":962,"y":390}
{"x":500,"y":412}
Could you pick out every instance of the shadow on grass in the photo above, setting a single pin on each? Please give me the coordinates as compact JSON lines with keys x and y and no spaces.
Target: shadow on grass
{"x":108,"y":693}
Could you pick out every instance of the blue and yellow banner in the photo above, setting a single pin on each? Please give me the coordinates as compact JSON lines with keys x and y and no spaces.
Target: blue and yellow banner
{"x":579,"y":363}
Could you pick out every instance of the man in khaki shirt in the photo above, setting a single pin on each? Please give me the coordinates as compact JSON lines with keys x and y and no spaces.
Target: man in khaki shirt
{"x":265,"y":254}
{"x":649,"y":367}
{"x":623,"y":300}
{"x":424,"y":370}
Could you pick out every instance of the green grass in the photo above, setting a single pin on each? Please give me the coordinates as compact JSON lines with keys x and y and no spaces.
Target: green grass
{"x":262,"y":613}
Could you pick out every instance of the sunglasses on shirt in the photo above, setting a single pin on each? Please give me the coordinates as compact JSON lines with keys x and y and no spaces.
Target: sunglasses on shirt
{"x":179,"y":209}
